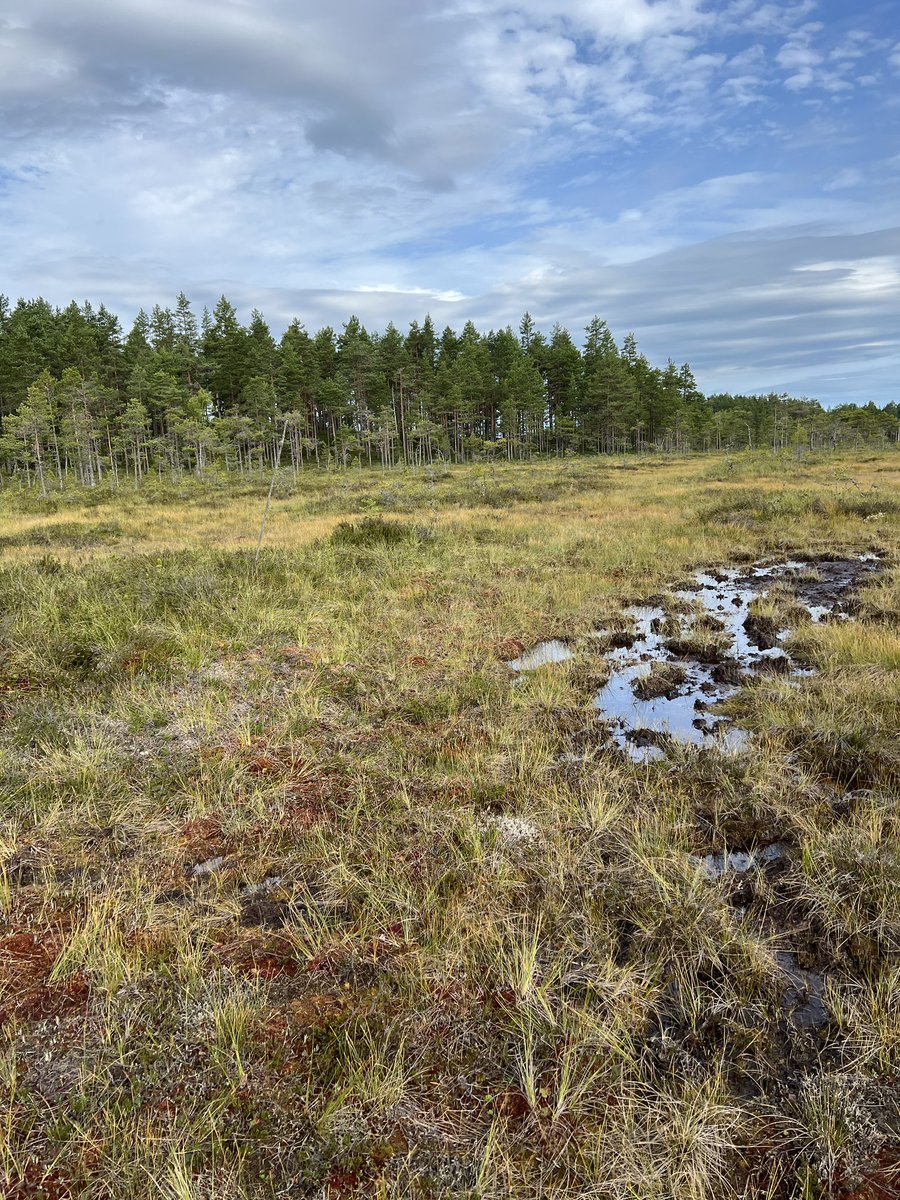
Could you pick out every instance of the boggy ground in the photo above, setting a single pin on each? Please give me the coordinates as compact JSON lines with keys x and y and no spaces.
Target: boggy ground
{"x":302,"y":895}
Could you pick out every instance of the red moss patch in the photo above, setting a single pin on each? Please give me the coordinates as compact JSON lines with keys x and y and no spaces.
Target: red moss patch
{"x":883,"y":1182}
{"x":302,"y":816}
{"x":54,"y":1000}
{"x":385,"y":946}
{"x":510,"y":648}
{"x":510,"y":1103}
{"x":37,"y":1183}
{"x":201,"y":830}
{"x":267,"y":966}
{"x":342,"y":1184}
{"x":203,"y":838}
{"x":25,"y":965}
{"x":317,"y":1010}
{"x":261,"y":957}
{"x":25,"y":961}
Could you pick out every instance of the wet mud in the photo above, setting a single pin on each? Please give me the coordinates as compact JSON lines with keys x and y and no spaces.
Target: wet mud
{"x":679,"y":658}
{"x":682,"y":657}
{"x":804,"y":997}
{"x":666,"y":689}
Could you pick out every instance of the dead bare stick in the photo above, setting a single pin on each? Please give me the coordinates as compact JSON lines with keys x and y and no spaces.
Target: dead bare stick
{"x":262,"y":528}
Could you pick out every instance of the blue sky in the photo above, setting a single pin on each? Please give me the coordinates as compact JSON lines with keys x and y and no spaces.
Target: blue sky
{"x":721,"y":178}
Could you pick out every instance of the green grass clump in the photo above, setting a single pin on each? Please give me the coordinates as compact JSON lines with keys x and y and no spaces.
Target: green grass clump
{"x":374,"y":532}
{"x":69,"y":534}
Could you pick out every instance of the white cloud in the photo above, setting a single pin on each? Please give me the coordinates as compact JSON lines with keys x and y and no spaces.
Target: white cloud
{"x":474,"y":157}
{"x":877,"y":275}
{"x":768,"y":19}
{"x":849,"y":177}
{"x":793,"y":55}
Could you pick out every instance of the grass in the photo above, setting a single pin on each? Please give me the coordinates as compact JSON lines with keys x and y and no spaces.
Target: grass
{"x":301,"y":895}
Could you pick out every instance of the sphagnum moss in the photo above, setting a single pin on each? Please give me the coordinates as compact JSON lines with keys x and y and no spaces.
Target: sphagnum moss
{"x":301,"y":894}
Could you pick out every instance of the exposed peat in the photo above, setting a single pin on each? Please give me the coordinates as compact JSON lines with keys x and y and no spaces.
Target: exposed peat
{"x":663,"y":689}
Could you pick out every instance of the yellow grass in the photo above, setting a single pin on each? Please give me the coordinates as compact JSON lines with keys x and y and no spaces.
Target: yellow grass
{"x":301,"y":894}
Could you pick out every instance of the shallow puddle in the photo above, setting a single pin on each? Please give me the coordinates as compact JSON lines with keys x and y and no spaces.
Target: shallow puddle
{"x":269,"y":884}
{"x":738,"y":861}
{"x":719,"y":643}
{"x":678,"y":714}
{"x":672,"y":670}
{"x":541,"y":655}
{"x":209,"y":867}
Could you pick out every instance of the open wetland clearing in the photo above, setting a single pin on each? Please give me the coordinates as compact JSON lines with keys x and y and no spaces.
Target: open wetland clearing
{"x":501,"y":831}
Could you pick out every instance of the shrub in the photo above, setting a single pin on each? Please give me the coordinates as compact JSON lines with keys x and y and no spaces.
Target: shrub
{"x":375,"y":532}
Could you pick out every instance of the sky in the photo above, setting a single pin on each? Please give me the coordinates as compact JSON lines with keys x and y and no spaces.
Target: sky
{"x":722,"y":179}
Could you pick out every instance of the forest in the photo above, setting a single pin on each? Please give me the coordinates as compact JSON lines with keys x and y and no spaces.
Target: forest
{"x":83,"y":402}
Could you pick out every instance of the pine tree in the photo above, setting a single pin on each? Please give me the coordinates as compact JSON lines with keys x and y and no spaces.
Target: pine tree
{"x":224,"y":358}
{"x":185,"y":342}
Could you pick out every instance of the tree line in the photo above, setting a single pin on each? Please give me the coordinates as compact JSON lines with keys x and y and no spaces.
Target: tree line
{"x":81,"y":400}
